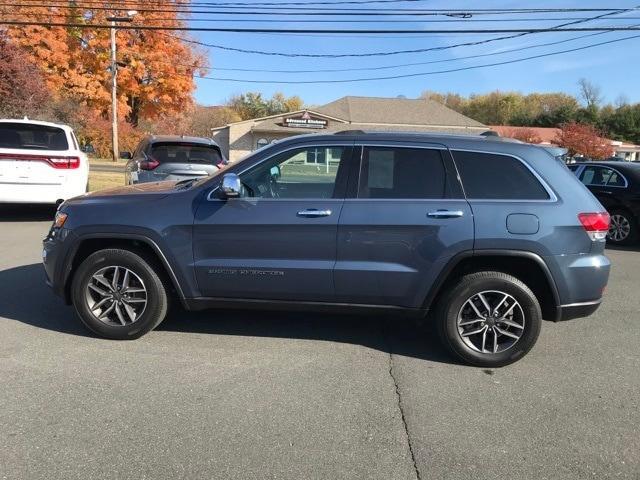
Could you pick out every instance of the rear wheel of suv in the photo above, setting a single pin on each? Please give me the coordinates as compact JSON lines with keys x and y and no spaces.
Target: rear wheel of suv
{"x":489,"y":319}
{"x":623,"y":229}
{"x":119,"y":295}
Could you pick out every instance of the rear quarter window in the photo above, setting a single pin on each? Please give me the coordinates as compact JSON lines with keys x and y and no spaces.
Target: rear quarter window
{"x":32,"y":137}
{"x":497,"y":177}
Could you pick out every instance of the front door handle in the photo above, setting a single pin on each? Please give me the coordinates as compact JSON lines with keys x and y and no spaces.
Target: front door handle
{"x":446,"y":214}
{"x":314,"y":213}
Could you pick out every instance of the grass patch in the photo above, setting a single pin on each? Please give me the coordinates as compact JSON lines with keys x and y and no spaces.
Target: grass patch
{"x":102,"y":180}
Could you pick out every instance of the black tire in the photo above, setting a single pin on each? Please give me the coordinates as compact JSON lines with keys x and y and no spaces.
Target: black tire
{"x":451,"y":304}
{"x":622,"y":215}
{"x":146,"y":269}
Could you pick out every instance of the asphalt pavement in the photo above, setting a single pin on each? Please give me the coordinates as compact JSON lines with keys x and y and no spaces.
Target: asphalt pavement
{"x":253,"y":395}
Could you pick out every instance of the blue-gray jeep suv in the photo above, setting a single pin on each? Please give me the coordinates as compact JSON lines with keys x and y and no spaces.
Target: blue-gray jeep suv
{"x":486,"y":237}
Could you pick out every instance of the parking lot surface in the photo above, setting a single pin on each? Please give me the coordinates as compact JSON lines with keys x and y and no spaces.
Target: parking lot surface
{"x":253,"y":395}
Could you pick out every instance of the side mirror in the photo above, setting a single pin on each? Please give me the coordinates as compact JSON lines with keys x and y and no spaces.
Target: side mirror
{"x":126,"y":155}
{"x":275,"y":172}
{"x":231,"y":186}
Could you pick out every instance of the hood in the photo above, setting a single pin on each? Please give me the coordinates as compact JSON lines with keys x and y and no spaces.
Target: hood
{"x":126,"y":193}
{"x":137,"y":189}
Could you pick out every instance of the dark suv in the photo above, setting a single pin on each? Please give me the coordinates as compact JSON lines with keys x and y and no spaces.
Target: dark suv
{"x":487,"y":237}
{"x":617,"y":186}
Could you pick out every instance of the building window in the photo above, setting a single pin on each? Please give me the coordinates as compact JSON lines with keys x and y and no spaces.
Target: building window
{"x":263,"y":142}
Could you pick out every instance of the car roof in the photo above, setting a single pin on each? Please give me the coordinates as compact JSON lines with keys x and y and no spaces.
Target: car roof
{"x":631,"y":166}
{"x":181,"y":139}
{"x":34,"y":122}
{"x":469,"y":142}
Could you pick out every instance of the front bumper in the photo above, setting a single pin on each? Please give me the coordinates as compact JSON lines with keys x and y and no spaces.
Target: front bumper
{"x":53,"y":253}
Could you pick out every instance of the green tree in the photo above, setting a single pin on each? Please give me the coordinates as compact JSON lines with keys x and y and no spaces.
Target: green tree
{"x":253,"y":105}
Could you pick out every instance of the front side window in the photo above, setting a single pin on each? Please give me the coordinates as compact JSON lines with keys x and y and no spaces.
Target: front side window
{"x":397,"y":173}
{"x":292,"y":175}
{"x":493,"y":176}
{"x":32,"y":137}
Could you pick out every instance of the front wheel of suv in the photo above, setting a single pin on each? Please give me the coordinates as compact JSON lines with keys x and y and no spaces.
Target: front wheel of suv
{"x":489,"y":319}
{"x":118,"y":294}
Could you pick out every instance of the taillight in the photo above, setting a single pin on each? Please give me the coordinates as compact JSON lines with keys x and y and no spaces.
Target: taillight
{"x":595,"y":224}
{"x":64,"y":162}
{"x":55,"y":161}
{"x":149,"y":164}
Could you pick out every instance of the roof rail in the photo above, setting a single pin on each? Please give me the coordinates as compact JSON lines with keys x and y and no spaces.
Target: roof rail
{"x":350,"y":132}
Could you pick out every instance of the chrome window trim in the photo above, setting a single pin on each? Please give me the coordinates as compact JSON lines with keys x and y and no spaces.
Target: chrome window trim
{"x":339,"y":143}
{"x":553,"y":198}
{"x":584,"y":167}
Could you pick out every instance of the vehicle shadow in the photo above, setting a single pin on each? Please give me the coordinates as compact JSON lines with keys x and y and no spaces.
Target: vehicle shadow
{"x":398,"y":335}
{"x":27,"y":213}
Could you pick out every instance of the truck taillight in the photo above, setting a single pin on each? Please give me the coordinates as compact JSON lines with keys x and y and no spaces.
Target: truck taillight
{"x":595,"y":224}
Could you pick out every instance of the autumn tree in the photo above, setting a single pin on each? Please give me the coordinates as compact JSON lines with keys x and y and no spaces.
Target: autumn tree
{"x":22,"y":88}
{"x":584,"y":139}
{"x":156,"y":70}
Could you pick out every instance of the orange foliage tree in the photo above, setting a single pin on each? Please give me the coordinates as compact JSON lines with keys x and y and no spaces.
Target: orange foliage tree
{"x":155,"y":76}
{"x":583,"y":139}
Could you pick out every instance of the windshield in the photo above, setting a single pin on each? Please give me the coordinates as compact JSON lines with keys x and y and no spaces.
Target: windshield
{"x":30,"y":136}
{"x":186,"y":153}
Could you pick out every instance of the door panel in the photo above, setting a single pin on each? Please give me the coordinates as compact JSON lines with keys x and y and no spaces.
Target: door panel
{"x":262,"y":248}
{"x":390,"y":250}
{"x":279,"y":241}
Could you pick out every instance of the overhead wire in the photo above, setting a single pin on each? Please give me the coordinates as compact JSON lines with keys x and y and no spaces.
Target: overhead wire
{"x":419,"y":74}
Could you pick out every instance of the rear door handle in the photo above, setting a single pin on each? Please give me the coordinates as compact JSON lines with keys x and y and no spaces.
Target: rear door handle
{"x":446,"y":214}
{"x":313,"y":213}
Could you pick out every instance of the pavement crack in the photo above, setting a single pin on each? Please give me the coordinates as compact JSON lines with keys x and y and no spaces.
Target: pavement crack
{"x":402,"y":416}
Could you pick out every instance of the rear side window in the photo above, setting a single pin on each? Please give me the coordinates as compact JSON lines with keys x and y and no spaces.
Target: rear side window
{"x":185,"y":153}
{"x":389,"y":172}
{"x":32,"y":137}
{"x":497,"y":177}
{"x":600,"y":176}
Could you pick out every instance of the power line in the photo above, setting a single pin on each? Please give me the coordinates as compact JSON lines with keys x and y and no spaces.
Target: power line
{"x":99,"y":5}
{"x":476,"y":31}
{"x":390,"y":67}
{"x":377,"y":54}
{"x":420,"y":74}
{"x":255,"y":20}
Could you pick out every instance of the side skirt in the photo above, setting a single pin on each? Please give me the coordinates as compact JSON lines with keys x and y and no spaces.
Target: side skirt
{"x":204,"y":303}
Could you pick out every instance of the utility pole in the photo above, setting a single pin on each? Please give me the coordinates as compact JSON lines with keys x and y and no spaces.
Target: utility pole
{"x":115,"y":151}
{"x":114,"y":95}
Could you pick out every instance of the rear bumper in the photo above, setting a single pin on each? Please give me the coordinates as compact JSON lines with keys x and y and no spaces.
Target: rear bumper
{"x":42,"y":194}
{"x":577,"y":310}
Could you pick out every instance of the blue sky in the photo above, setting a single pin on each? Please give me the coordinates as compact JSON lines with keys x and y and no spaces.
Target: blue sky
{"x":614,"y":67}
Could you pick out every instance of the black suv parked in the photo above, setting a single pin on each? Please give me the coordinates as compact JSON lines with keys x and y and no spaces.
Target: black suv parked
{"x":488,"y":236}
{"x":617,"y":186}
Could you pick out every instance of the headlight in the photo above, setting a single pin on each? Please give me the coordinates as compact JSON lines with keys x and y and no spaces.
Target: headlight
{"x":59,"y":220}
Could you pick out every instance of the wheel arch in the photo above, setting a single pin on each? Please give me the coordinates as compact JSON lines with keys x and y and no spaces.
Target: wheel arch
{"x":526,"y":266}
{"x":90,"y":243}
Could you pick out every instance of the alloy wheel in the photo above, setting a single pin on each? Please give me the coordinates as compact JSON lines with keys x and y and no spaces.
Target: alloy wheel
{"x":116,"y":296}
{"x":491,"y":322}
{"x":620,"y":228}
